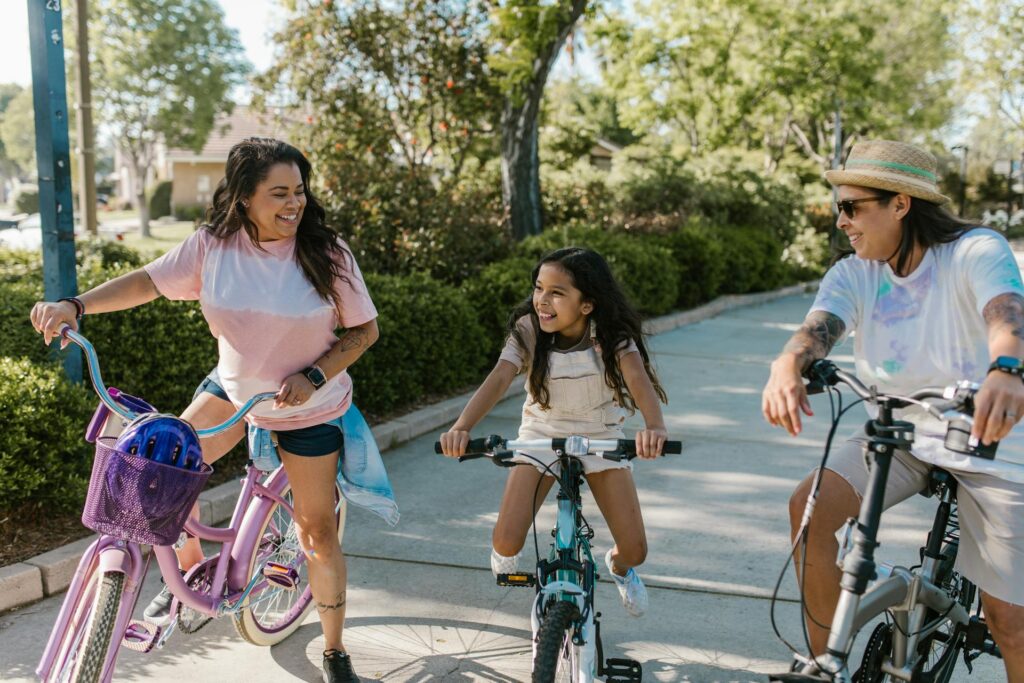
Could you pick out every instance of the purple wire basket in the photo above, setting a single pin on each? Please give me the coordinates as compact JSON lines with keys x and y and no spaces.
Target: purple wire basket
{"x":138,"y":499}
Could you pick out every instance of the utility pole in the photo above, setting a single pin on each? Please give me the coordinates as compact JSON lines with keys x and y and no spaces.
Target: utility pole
{"x":86,"y":151}
{"x":53,"y":159}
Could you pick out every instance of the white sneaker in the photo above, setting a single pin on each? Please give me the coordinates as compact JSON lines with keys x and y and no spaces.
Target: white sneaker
{"x":631,"y":589}
{"x":504,"y":565}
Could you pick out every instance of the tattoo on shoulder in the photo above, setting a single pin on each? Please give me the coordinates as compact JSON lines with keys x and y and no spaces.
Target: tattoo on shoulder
{"x":1006,"y":310}
{"x":816,"y":337}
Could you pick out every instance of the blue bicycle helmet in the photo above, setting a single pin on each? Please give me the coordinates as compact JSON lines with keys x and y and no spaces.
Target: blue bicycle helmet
{"x":163,"y":438}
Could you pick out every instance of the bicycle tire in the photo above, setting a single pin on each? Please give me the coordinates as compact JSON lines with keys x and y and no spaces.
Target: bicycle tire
{"x":99,"y":631}
{"x":878,"y":648}
{"x":557,"y":658}
{"x":279,"y":544}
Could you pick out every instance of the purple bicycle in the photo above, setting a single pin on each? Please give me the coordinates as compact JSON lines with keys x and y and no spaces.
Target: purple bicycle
{"x":258,"y":576}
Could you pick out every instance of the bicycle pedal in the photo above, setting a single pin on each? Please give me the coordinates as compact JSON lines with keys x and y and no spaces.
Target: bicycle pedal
{"x":281,"y":575}
{"x":623,"y":671}
{"x":140,"y":636}
{"x":517,"y":580}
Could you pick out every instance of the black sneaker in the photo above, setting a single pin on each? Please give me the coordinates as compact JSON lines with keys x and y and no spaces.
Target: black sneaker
{"x":338,"y":668}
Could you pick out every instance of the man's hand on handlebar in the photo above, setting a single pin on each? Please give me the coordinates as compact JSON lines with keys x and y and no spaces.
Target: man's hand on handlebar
{"x":998,"y":406}
{"x":785,"y":396}
{"x":454,"y":442}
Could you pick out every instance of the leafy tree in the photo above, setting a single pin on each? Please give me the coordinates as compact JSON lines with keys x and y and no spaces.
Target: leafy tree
{"x":999,"y":41}
{"x":161,"y":72}
{"x":528,"y":36}
{"x":18,"y":130}
{"x":395,"y":103}
{"x":771,"y":75}
{"x":574,"y":117}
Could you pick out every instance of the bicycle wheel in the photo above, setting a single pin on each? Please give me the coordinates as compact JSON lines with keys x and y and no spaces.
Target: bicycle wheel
{"x":878,"y":648}
{"x":557,"y":659}
{"x":91,"y":630}
{"x":274,"y":613}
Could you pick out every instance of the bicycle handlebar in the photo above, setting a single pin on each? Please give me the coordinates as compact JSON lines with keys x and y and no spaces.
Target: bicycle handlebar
{"x":93,"y":364}
{"x":501,"y":450}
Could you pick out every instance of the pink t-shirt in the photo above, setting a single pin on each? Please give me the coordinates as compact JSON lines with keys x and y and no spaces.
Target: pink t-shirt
{"x":268,"y":320}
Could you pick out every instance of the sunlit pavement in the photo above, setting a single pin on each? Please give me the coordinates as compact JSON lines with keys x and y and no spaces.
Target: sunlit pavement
{"x":422,"y":603}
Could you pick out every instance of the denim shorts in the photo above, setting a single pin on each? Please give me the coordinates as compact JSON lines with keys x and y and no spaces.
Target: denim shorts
{"x":321,"y":439}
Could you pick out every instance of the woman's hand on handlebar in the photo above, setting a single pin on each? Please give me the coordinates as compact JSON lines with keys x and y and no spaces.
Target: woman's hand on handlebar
{"x":649,"y":442}
{"x":48,"y":317}
{"x":785,"y":396}
{"x":998,"y":406}
{"x":454,"y":442}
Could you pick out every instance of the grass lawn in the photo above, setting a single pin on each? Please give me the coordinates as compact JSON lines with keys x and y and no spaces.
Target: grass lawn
{"x":164,"y":236}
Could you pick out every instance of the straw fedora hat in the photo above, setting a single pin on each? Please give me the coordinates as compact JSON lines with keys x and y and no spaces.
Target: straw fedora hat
{"x":893,"y":166}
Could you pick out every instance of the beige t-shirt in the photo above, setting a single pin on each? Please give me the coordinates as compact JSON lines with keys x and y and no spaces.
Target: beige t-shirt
{"x":521,"y":358}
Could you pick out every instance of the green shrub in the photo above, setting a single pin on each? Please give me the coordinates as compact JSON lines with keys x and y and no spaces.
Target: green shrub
{"x":430,"y":343}
{"x":44,"y":461}
{"x":27,"y":201}
{"x":752,"y":258}
{"x":643,"y":267}
{"x":159,"y":199}
{"x":108,"y":254}
{"x":494,"y":292}
{"x":807,"y":256}
{"x":189,"y":212}
{"x":698,"y":256}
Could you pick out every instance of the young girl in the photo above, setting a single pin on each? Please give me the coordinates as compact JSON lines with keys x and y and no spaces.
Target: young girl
{"x":581,"y":344}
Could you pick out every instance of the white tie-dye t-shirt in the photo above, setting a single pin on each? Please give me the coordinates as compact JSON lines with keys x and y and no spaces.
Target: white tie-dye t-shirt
{"x":268,"y":320}
{"x":927,"y":329}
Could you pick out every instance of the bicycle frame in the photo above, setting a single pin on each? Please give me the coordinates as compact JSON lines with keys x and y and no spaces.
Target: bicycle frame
{"x":231,"y":584}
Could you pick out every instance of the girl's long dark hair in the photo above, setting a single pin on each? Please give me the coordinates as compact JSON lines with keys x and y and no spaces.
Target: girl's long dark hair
{"x":616,"y":322}
{"x":318,"y":252}
{"x":926,"y":224}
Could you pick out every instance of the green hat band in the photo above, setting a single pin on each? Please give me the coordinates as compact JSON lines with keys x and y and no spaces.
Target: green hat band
{"x":892,"y":164}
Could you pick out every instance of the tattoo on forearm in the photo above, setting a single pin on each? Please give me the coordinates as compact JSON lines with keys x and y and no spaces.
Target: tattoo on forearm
{"x":816,"y":337}
{"x":339,"y":602}
{"x":354,"y":339}
{"x":1005,"y":311}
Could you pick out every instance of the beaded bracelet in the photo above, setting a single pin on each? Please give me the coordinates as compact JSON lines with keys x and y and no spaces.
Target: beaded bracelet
{"x":79,"y":306}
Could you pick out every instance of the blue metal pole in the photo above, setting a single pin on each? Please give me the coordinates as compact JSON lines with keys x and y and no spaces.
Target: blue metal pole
{"x":49,"y":92}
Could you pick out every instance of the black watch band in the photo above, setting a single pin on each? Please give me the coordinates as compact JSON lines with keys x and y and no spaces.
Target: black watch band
{"x":315,"y":376}
{"x":1009,"y":365}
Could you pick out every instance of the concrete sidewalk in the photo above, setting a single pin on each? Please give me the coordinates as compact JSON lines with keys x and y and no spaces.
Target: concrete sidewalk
{"x":423,"y":605}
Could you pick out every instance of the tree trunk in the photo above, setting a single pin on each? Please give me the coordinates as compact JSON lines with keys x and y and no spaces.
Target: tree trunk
{"x":140,"y":200}
{"x":520,"y":163}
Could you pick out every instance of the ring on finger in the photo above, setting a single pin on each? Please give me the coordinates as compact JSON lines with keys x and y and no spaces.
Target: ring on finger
{"x":1010,"y":415}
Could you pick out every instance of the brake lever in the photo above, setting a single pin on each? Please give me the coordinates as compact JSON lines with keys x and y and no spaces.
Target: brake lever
{"x":814,"y":386}
{"x":503,"y":458}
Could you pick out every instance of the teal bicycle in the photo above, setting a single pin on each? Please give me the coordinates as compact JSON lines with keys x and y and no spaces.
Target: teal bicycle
{"x":565,"y":622}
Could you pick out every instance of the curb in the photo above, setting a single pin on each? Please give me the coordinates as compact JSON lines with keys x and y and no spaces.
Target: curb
{"x":51,"y":572}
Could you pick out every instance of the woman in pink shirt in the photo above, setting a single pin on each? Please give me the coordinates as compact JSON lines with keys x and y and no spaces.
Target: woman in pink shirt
{"x":274,"y":283}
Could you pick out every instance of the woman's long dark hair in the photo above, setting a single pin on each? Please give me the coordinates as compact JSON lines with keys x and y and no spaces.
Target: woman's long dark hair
{"x":616,"y":322}
{"x":926,"y":224}
{"x":318,"y":252}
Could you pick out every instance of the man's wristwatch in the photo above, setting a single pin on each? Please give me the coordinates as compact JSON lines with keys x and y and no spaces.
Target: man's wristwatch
{"x":1009,"y":365}
{"x":315,"y":376}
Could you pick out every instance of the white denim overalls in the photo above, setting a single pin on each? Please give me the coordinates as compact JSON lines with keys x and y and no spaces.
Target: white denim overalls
{"x":581,"y":404}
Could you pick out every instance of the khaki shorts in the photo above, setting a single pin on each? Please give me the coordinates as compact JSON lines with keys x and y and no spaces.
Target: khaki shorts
{"x":991,"y":512}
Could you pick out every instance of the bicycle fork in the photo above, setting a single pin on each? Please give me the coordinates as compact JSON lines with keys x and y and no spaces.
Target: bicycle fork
{"x":105,"y":555}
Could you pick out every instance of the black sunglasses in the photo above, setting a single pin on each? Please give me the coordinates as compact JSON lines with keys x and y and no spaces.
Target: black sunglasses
{"x":849,"y":206}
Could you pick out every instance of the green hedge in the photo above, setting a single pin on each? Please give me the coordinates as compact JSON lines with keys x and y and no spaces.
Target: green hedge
{"x":159,"y":199}
{"x":430,"y":343}
{"x":698,"y":256}
{"x":44,"y":461}
{"x":494,"y":292}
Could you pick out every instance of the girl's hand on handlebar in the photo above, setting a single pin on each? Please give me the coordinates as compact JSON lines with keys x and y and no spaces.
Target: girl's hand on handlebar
{"x":784,"y":396}
{"x":649,"y":442}
{"x":49,"y":316}
{"x":454,"y":442}
{"x":998,"y":406}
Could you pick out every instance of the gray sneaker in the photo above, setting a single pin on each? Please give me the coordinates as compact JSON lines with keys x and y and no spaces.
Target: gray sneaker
{"x":158,"y":611}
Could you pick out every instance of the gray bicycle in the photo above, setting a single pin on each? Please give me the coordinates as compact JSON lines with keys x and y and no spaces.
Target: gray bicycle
{"x":933,"y":614}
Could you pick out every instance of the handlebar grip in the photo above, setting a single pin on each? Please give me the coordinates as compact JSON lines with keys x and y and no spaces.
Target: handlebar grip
{"x":672,"y":448}
{"x":437,"y":447}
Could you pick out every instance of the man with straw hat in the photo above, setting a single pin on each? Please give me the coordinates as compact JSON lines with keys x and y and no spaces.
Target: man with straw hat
{"x":933,"y":300}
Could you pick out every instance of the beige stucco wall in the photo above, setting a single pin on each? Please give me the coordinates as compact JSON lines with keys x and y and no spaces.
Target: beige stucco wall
{"x":194,"y":182}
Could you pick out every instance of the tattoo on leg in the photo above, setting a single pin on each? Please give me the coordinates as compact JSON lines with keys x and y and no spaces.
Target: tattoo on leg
{"x":816,"y":337}
{"x":1005,"y":310}
{"x":339,"y":602}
